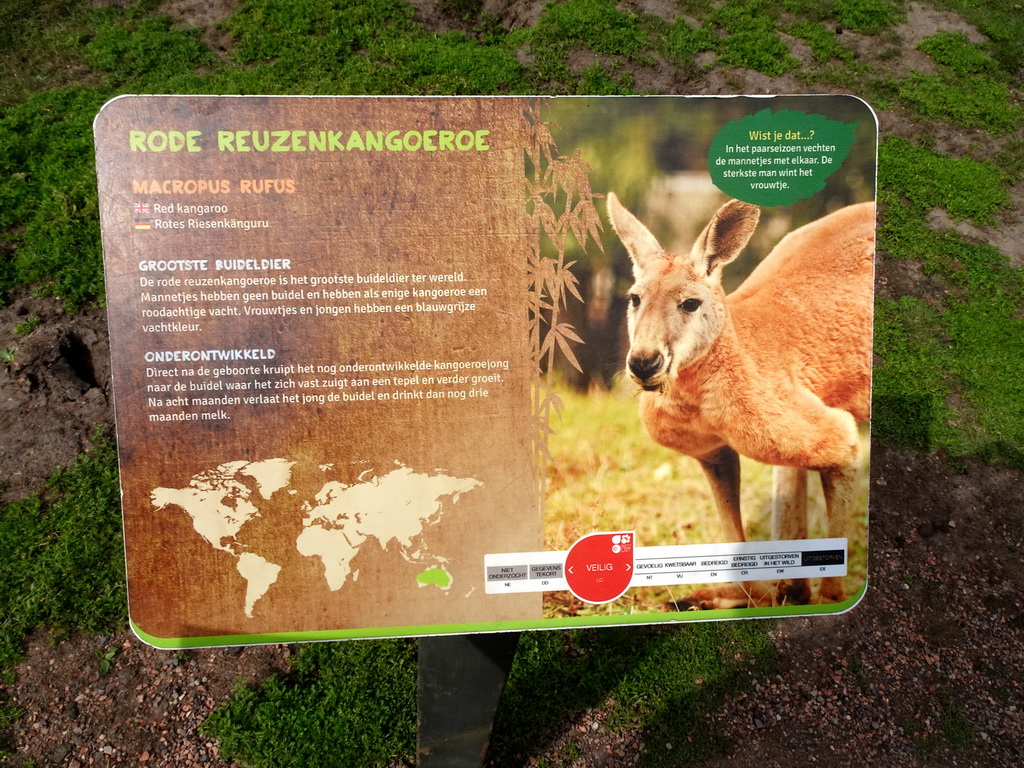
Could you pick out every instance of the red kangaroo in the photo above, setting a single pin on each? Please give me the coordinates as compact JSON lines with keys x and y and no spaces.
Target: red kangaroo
{"x":779,"y":370}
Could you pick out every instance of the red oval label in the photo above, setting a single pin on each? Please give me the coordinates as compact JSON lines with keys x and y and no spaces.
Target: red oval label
{"x":599,"y":566}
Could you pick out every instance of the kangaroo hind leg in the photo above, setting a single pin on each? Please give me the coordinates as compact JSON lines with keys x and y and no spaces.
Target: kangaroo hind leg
{"x":789,"y":522}
{"x":722,"y":469}
{"x":840,"y":486}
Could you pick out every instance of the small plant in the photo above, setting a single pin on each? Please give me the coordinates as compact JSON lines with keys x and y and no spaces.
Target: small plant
{"x":855,"y":667}
{"x":105,"y":658}
{"x":7,"y":356}
{"x":571,"y":752}
{"x":957,"y":731}
{"x":9,"y":715}
{"x":463,"y":10}
{"x":25,"y":328}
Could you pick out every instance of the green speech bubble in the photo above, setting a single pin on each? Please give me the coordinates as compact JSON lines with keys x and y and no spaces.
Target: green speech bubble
{"x":776,"y":159}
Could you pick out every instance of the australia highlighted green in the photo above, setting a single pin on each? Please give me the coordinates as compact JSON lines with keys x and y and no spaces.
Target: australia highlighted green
{"x":437,"y":577}
{"x":778,"y":158}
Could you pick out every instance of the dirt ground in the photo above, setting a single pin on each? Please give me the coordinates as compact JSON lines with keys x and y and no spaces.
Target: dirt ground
{"x":927,"y":671}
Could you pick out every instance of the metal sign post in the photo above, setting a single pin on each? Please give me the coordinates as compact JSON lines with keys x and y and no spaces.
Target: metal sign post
{"x":461,"y":679}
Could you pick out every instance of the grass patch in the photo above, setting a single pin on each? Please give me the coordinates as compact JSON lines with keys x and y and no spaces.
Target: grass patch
{"x":954,"y":51}
{"x":868,"y":17}
{"x":752,"y":39}
{"x":973,"y":102}
{"x":823,"y":43}
{"x":1001,"y":21}
{"x":911,"y":388}
{"x":951,"y":374}
{"x":950,"y":378}
{"x":41,"y":46}
{"x":63,"y":554}
{"x":354,"y":703}
{"x":659,"y":680}
{"x":970,"y":89}
{"x":49,"y":212}
{"x":681,"y":43}
{"x":923,"y":180}
{"x":372,"y":47}
{"x":592,"y":26}
{"x":145,"y":50}
{"x":596,"y":25}
{"x":350,"y":704}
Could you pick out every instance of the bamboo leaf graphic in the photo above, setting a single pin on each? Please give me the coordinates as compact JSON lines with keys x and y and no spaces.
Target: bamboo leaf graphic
{"x":567,"y":351}
{"x":566,"y":330}
{"x":559,"y":204}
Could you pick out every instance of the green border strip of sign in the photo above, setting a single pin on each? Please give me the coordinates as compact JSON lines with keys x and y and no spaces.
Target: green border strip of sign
{"x":578,"y":622}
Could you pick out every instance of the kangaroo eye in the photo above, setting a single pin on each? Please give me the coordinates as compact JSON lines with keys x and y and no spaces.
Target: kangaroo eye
{"x":634,"y":300}
{"x":690,"y":305}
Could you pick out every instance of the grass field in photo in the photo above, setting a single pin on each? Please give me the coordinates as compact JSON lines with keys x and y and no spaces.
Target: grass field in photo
{"x":607,"y":474}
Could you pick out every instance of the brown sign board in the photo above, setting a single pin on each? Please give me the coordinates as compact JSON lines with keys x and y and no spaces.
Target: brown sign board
{"x":337,"y":327}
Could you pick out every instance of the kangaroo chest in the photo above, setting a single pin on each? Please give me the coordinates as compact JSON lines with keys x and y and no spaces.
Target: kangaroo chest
{"x":680,"y":425}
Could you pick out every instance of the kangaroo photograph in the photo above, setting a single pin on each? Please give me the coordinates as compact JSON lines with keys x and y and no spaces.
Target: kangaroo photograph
{"x":738,"y":337}
{"x":778,"y":371}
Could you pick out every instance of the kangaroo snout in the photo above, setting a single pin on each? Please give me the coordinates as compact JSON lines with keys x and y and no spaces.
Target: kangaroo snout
{"x":645,"y":366}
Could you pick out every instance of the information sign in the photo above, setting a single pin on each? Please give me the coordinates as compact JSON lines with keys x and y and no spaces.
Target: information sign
{"x":342,"y":331}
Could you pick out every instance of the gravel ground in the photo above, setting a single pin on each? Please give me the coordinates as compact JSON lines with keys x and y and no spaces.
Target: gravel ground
{"x":145,"y":710}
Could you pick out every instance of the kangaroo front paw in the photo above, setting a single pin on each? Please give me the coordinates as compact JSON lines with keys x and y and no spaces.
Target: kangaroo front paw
{"x":745,"y":594}
{"x":831,"y":590}
{"x":749,"y":594}
{"x":795,"y":592}
{"x":708,"y":600}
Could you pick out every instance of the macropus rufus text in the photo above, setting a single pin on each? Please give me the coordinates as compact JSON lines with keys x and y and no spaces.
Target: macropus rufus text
{"x":779,"y":370}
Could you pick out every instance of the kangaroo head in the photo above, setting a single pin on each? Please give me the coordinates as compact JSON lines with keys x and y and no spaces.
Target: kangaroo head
{"x":677,"y":303}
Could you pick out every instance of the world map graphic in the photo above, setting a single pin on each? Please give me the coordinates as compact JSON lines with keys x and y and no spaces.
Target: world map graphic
{"x":338,"y":522}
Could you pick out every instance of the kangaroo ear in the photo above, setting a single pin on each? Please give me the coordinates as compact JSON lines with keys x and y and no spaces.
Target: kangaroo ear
{"x":642,"y":246}
{"x":726,"y":234}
